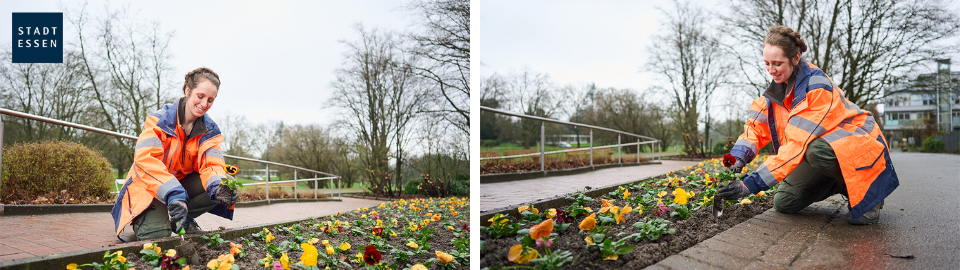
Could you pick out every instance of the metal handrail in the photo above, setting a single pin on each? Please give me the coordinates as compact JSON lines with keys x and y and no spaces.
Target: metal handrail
{"x":482,"y":108}
{"x":121,"y":135}
{"x":567,"y":150}
{"x":543,"y":152}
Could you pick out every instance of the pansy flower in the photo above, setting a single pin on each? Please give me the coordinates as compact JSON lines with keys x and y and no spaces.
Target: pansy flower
{"x":606,"y":205}
{"x":589,"y":223}
{"x":521,"y":254}
{"x":681,"y":196}
{"x":618,"y":212}
{"x":413,"y":245}
{"x":344,"y":246}
{"x":729,"y":160}
{"x":231,"y":169}
{"x":444,"y":257}
{"x":371,"y":256}
{"x":541,"y":230}
{"x":310,"y":253}
{"x":552,"y":212}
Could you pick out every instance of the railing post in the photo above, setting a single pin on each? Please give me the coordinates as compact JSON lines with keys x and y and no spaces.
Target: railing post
{"x":543,"y":147}
{"x":339,"y":191}
{"x":638,"y":150}
{"x":591,"y":147}
{"x":315,"y":186}
{"x":659,"y":158}
{"x":295,"y":184}
{"x":268,"y":182}
{"x":619,"y":151}
{"x":1,"y":157}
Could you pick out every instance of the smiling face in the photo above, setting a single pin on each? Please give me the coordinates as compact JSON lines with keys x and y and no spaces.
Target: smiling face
{"x":778,"y":65}
{"x":200,"y":99}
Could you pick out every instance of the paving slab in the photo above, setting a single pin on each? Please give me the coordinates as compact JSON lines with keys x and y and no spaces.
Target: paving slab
{"x":32,"y":236}
{"x":496,"y":195}
{"x":920,"y":219}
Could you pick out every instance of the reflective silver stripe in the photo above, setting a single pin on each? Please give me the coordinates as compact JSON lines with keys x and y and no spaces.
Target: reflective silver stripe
{"x":766,"y":176}
{"x":869,"y":123}
{"x":850,"y":106}
{"x":747,"y":143}
{"x":167,"y":187}
{"x":842,"y":133}
{"x":213,"y":152}
{"x":760,"y":117}
{"x":154,"y":142}
{"x":807,"y":125}
{"x":161,"y":111}
{"x":214,"y":181}
{"x":820,"y":80}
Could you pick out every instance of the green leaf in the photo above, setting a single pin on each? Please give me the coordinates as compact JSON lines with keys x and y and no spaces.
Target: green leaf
{"x":624,"y":249}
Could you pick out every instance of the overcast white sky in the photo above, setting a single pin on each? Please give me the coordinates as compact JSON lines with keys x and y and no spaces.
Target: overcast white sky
{"x":275,"y":58}
{"x":576,"y":42}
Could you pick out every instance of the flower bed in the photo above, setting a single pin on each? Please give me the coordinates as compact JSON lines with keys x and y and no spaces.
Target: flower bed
{"x":432,"y":233}
{"x":553,"y":163}
{"x":632,"y":227}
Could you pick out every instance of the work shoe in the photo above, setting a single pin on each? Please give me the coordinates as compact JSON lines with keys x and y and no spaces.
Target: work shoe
{"x":870,"y":217}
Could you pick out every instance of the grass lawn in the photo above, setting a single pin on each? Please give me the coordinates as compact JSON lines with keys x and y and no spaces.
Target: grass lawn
{"x":300,"y":185}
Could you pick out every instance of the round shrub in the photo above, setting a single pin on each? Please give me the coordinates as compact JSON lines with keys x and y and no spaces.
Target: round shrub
{"x":54,"y":170}
{"x":933,"y":145}
{"x":490,"y":143}
{"x":412,"y":186}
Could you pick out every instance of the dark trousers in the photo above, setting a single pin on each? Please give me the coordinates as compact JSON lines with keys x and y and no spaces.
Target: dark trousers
{"x":155,"y":221}
{"x":816,"y":178}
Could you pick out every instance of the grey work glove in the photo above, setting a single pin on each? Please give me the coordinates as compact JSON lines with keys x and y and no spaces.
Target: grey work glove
{"x":738,"y":166}
{"x":178,"y":214}
{"x":227,"y":196}
{"x":735,"y":190}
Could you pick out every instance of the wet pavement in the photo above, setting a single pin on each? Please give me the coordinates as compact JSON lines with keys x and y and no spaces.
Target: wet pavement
{"x":919,"y":229}
{"x":32,"y":236}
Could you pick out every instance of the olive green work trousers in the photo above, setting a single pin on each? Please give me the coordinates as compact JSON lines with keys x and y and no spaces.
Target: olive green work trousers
{"x":816,"y":178}
{"x":155,"y":222}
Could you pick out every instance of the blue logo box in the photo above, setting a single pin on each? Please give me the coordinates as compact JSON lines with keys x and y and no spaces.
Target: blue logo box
{"x":38,"y":37}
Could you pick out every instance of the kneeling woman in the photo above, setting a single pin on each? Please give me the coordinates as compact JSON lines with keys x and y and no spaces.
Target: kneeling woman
{"x":177,"y":166}
{"x":823,"y":144}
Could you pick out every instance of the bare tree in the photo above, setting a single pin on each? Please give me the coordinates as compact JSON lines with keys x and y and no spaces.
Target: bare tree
{"x":49,"y":90}
{"x":124,"y":69}
{"x":444,"y":47}
{"x":534,"y":94}
{"x":376,"y":91}
{"x":689,"y":56}
{"x":864,"y":45}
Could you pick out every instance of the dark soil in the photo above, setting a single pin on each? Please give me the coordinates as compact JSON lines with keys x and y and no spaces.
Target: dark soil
{"x":699,"y":227}
{"x":441,"y":240}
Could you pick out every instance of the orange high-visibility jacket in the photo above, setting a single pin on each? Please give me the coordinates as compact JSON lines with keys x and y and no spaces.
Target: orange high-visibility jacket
{"x":162,"y":157}
{"x":818,"y":109}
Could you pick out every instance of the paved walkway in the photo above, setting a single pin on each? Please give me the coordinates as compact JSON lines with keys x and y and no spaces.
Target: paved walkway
{"x":496,"y":195}
{"x":31,"y":236}
{"x":920,"y":219}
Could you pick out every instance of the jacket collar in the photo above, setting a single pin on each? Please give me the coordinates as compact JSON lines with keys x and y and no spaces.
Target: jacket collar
{"x":167,"y":118}
{"x":775,"y":91}
{"x":198,"y":126}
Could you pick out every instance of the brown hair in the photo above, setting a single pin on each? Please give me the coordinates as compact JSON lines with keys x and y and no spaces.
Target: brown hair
{"x":198,"y":75}
{"x":787,"y":39}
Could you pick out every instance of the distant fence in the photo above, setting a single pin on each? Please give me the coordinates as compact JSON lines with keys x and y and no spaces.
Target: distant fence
{"x":951,"y":141}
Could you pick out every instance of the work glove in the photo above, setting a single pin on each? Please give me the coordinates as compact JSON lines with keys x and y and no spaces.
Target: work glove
{"x":734,"y":191}
{"x":227,"y":196}
{"x":178,"y":213}
{"x":738,"y":166}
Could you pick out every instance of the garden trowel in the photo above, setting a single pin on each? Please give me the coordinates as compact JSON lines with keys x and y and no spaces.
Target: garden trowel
{"x":717,"y":207}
